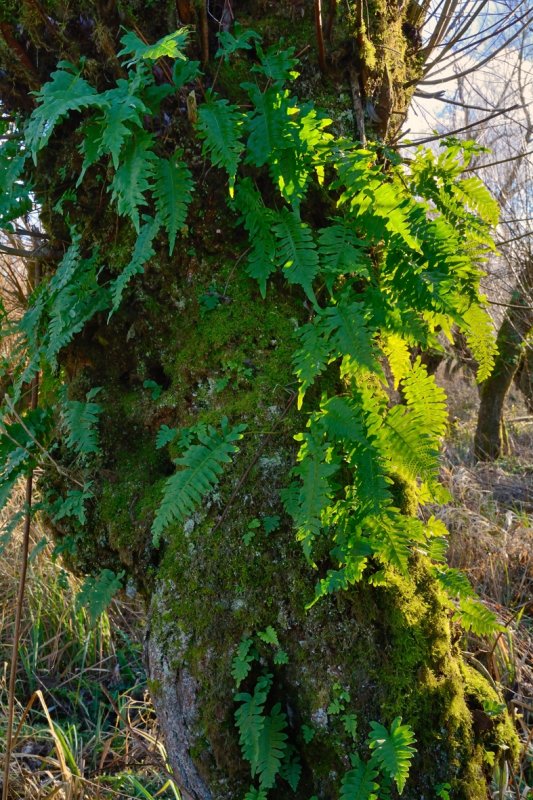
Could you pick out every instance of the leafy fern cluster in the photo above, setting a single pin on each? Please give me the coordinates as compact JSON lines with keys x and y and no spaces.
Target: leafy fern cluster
{"x":393,"y":267}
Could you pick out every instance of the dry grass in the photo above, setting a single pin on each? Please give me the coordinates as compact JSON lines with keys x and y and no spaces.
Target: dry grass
{"x":84,"y":725}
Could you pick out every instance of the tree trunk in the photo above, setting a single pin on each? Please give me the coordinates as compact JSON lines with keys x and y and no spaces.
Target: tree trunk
{"x":489,"y":442}
{"x":391,"y":648}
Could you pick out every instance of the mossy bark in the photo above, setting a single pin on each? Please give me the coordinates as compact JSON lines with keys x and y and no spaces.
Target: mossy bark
{"x":392,"y":647}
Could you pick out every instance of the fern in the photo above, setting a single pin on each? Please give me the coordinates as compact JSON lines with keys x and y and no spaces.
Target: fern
{"x":171,"y":46}
{"x":250,"y":719}
{"x":272,"y":745}
{"x":348,"y":331}
{"x":360,"y":782}
{"x":393,"y":750}
{"x":97,"y":592}
{"x":481,"y":340}
{"x":219,"y":125}
{"x":296,"y":253}
{"x":242,"y":662}
{"x":66,"y":91}
{"x":202,"y":466}
{"x":476,"y":617}
{"x":306,"y":501}
{"x":134,"y":177}
{"x":142,"y":252}
{"x":80,"y":421}
{"x":313,"y":356}
{"x":172,"y":192}
{"x":342,"y":252}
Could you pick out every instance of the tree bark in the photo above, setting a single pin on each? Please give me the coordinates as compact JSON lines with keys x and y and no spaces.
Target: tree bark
{"x":489,"y":441}
{"x":391,"y":647}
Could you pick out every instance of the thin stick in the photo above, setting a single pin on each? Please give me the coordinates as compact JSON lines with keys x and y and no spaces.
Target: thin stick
{"x":18,"y":613}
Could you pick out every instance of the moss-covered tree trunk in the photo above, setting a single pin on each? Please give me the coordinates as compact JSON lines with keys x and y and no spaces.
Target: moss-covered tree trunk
{"x":196,"y":327}
{"x":489,"y":442}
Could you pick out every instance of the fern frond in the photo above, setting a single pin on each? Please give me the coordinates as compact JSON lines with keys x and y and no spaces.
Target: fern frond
{"x":360,"y":782}
{"x":348,"y":331}
{"x":171,"y":46}
{"x":426,"y":400}
{"x":250,"y":720}
{"x":172,"y":191}
{"x":296,"y":253}
{"x":265,"y":126}
{"x":257,"y":220}
{"x":307,"y":501}
{"x":476,"y":617}
{"x":81,"y":424}
{"x":411,"y":450}
{"x":66,"y":91}
{"x":272,"y":747}
{"x":134,"y":176}
{"x":242,"y":661}
{"x":393,"y":750}
{"x":142,"y":252}
{"x":342,"y":252}
{"x":219,"y":125}
{"x":97,"y":592}
{"x":341,"y":420}
{"x":481,"y":340}
{"x":202,"y":466}
{"x":291,"y":768}
{"x":311,"y":359}
{"x":473,"y":193}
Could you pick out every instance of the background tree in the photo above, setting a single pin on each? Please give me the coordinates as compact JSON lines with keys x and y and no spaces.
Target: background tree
{"x":179,"y":350}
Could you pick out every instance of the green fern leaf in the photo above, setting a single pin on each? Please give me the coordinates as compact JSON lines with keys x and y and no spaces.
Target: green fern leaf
{"x":306,"y":501}
{"x":291,"y":768}
{"x":455,"y":582}
{"x":255,"y":794}
{"x":360,"y":782}
{"x":165,"y":435}
{"x":296,"y":253}
{"x":269,"y":636}
{"x":65,"y":92}
{"x":277,"y":64}
{"x":142,"y":252}
{"x":258,"y":222}
{"x":272,"y":745}
{"x":97,"y":592}
{"x":341,"y":420}
{"x":242,"y":662}
{"x":393,"y":750}
{"x":266,"y":124}
{"x":476,"y":617}
{"x":342,"y":252}
{"x":473,"y":193}
{"x":427,"y":401}
{"x":313,"y":356}
{"x":171,"y":46}
{"x":219,"y":125}
{"x":347,"y":327}
{"x":481,"y":340}
{"x":240,"y":39}
{"x":134,"y":176}
{"x":172,"y":192}
{"x":202,"y":466}
{"x":81,"y":424}
{"x":250,"y":720}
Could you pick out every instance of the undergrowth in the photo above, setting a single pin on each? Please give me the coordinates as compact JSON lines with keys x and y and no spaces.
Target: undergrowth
{"x":84,"y":726}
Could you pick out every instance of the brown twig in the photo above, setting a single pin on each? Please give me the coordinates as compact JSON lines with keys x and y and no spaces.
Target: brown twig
{"x":320,"y":35}
{"x":18,"y":613}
